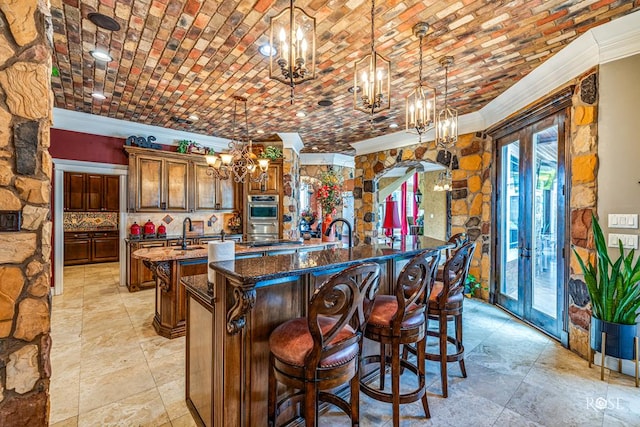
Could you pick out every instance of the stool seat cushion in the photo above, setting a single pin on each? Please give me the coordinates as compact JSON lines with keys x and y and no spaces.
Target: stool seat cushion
{"x":291,"y":342}
{"x":386,"y":306}
{"x":435,"y":291}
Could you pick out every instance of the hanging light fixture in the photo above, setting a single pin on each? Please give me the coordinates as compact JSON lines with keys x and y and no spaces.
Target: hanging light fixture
{"x":240,"y":161}
{"x":444,"y":182}
{"x":421,"y":102}
{"x":447,"y":127}
{"x":372,"y":80}
{"x":292,"y":33}
{"x":418,"y":195}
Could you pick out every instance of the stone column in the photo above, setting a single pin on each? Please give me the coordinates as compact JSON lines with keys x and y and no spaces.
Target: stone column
{"x":25,"y":181}
{"x":291,"y":180}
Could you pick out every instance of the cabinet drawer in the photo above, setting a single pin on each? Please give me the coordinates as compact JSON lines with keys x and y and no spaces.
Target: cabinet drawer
{"x":70,"y":235}
{"x":179,"y":242}
{"x":103,"y":234}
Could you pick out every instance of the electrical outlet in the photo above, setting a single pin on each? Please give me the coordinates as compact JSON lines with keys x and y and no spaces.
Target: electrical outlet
{"x":629,"y":241}
{"x":623,"y":221}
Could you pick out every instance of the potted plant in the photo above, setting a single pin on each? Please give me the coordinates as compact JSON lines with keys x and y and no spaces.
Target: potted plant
{"x":471,"y":284}
{"x":615,"y":297}
{"x":271,"y":152}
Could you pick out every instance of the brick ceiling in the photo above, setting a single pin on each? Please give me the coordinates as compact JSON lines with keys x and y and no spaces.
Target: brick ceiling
{"x":173,"y":58}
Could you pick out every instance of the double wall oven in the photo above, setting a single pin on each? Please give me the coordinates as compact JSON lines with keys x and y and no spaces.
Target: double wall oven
{"x":263,"y":215}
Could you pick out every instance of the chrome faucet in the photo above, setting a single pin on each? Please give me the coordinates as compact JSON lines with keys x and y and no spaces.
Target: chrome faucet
{"x":328,"y":232}
{"x":184,"y":231}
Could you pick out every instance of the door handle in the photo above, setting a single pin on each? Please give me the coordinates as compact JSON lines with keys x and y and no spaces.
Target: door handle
{"x":525,"y":252}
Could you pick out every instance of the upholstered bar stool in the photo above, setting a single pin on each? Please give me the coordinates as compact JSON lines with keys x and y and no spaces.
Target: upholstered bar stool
{"x":457,"y":240}
{"x":320,"y":352}
{"x":445,"y":302}
{"x":397,"y":320}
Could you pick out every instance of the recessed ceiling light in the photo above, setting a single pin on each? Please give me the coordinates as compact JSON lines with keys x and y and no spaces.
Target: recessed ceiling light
{"x":101,"y":56}
{"x":194,"y":118}
{"x":393,"y":125}
{"x":379,"y":119}
{"x":260,"y":131}
{"x":301,"y":114}
{"x":104,"y":21}
{"x":97,"y":95}
{"x":315,"y":147}
{"x":354,"y":89}
{"x":325,"y":103}
{"x":267,"y":50}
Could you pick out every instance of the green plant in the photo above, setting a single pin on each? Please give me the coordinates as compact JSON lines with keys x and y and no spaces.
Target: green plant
{"x":471,"y":284}
{"x":271,"y":152}
{"x":612,"y":285}
{"x":183,"y":146}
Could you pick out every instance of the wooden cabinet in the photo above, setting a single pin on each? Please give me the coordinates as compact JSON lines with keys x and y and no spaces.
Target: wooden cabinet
{"x":212,"y":193}
{"x":173,"y":182}
{"x":271,"y":185}
{"x":91,"y":247}
{"x":139,"y":276}
{"x":91,"y":192}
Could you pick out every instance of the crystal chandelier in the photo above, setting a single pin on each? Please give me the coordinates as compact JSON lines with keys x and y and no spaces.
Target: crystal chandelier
{"x":292,"y":34}
{"x":420,"y":104}
{"x":372,"y":88}
{"x":447,"y":127}
{"x":240,"y":161}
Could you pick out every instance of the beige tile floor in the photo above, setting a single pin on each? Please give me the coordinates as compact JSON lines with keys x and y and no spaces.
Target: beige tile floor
{"x":109,"y":368}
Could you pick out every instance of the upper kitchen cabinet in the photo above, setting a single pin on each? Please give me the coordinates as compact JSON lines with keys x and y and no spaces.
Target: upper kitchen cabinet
{"x":212,"y":193}
{"x":273,"y":183}
{"x":91,"y":192}
{"x":174,"y":182}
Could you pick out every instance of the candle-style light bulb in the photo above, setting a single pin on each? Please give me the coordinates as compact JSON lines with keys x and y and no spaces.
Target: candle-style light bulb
{"x":304,"y":48}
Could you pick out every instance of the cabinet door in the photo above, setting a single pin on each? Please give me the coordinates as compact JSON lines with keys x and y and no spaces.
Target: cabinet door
{"x":74,"y":191}
{"x":177,"y":174}
{"x":111,"y":194}
{"x":226,"y":194}
{"x":150,"y":184}
{"x":270,"y":185}
{"x":104,"y":247}
{"x":205,"y":189}
{"x":93,"y":194}
{"x":77,"y":251}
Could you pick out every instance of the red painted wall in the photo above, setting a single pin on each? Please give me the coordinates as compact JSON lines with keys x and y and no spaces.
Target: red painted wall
{"x":86,"y":147}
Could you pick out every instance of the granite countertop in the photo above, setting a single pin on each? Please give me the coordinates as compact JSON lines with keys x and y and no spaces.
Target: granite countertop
{"x":249,"y":271}
{"x":91,"y":230}
{"x":199,"y":284}
{"x":173,"y":253}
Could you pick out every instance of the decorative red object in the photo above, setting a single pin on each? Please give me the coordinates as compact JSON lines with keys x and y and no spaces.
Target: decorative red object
{"x":162,"y":230}
{"x":149,"y":229}
{"x":134,"y":231}
{"x":391,"y":217}
{"x":325,"y":225}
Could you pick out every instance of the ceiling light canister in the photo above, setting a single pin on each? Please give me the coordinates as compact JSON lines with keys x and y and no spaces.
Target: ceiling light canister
{"x":101,"y":56}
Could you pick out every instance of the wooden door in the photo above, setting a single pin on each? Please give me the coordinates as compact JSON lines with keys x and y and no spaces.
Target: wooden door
{"x":111,"y":194}
{"x":94,"y":190}
{"x":74,"y":191}
{"x":150,"y":184}
{"x":205,"y":189}
{"x":177,"y":174}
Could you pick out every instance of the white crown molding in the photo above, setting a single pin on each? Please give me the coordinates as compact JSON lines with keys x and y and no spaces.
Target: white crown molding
{"x":90,"y":167}
{"x":106,"y":126}
{"x":608,"y":42}
{"x":291,"y":140}
{"x":334,"y":159}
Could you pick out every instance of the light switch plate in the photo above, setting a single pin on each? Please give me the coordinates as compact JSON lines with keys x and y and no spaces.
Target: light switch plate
{"x":623,"y":221}
{"x":629,"y":241}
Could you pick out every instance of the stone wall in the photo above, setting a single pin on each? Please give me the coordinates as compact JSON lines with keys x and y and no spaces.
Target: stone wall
{"x":470,"y":198}
{"x":584,"y":169}
{"x":290,"y":202}
{"x":25,"y":183}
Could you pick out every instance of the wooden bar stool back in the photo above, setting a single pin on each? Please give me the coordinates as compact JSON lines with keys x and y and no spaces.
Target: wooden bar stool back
{"x":313,"y":354}
{"x":445,"y":301}
{"x":457,"y":240}
{"x":397,"y":320}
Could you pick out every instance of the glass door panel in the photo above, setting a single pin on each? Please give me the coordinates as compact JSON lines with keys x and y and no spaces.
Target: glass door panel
{"x":509,"y":218}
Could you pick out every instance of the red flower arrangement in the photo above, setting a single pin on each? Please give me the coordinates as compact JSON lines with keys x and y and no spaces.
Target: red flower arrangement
{"x":330,"y":192}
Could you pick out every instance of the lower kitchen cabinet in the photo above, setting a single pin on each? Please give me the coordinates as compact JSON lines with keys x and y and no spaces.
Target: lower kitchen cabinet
{"x":91,"y":247}
{"x":138,"y":276}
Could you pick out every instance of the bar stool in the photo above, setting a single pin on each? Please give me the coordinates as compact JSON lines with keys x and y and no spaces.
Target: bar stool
{"x":457,"y":240}
{"x":398,"y":320}
{"x":445,"y":301}
{"x":319,"y":352}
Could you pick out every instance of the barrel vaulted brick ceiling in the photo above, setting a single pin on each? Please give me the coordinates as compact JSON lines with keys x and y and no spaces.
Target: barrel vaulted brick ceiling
{"x":173,"y":58}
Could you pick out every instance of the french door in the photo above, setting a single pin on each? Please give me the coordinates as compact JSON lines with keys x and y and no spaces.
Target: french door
{"x":530,"y":223}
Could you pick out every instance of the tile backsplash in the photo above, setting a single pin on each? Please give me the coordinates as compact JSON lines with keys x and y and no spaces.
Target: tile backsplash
{"x":86,"y":220}
{"x":174,"y":223}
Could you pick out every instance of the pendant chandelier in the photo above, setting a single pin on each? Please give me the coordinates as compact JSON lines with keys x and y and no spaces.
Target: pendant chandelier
{"x":444,"y":182}
{"x":372,"y":80}
{"x":240,"y":161}
{"x":292,"y":34}
{"x":421,"y":102}
{"x":447,"y":127}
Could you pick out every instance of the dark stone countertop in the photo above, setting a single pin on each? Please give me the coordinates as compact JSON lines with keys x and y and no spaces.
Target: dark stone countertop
{"x":253,"y":270}
{"x":199,"y":285}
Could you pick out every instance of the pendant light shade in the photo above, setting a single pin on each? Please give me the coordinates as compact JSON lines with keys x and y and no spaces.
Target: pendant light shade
{"x":421,"y":103}
{"x":372,"y":79}
{"x":447,"y":126}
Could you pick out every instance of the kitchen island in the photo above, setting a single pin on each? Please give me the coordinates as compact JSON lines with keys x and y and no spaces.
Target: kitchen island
{"x":169,"y":264}
{"x":230,"y":320}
